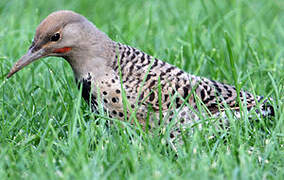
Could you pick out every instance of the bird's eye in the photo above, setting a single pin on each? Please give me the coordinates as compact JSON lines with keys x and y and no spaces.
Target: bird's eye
{"x":55,"y":37}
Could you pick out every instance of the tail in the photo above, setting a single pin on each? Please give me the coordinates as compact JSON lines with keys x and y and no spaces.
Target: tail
{"x":266,"y":109}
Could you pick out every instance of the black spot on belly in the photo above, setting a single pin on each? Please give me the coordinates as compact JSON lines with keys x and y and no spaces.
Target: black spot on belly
{"x":120,"y":114}
{"x":114,"y":100}
{"x":114,"y":112}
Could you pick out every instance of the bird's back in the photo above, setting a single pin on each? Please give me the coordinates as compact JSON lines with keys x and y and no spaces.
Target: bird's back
{"x":153,"y":88}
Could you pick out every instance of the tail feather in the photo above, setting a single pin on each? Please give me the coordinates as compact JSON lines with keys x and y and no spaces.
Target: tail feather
{"x":266,"y":109}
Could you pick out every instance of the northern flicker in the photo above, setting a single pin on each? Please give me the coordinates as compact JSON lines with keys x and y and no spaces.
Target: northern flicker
{"x":116,"y":72}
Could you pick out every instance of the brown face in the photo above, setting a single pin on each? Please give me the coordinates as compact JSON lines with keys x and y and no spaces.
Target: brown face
{"x":45,"y":45}
{"x":49,"y":38}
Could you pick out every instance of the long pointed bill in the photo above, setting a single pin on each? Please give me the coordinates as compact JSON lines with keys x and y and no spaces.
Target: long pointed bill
{"x":25,"y":60}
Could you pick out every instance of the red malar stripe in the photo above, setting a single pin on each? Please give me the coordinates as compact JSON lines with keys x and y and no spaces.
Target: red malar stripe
{"x":62,"y":50}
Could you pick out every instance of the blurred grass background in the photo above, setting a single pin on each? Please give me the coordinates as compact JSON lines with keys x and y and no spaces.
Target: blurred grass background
{"x":48,"y":132}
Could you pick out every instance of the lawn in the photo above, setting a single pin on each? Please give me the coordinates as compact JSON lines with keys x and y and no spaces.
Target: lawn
{"x":48,"y":132}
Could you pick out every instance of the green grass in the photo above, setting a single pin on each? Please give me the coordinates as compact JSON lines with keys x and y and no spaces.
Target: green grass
{"x":48,"y":132}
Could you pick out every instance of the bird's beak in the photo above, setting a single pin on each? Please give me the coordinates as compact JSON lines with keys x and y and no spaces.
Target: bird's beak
{"x":26,"y":59}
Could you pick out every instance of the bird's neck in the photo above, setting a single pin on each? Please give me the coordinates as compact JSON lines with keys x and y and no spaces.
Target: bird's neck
{"x":96,"y":60}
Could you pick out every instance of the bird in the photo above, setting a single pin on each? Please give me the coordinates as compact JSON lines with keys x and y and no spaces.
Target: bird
{"x":129,"y":83}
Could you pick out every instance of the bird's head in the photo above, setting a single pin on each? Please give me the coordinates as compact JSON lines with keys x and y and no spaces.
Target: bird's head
{"x":60,"y":34}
